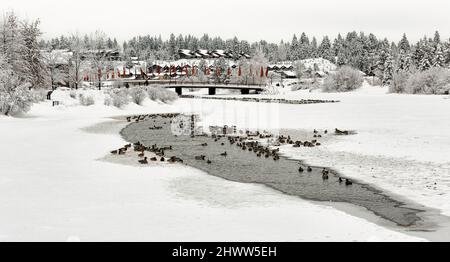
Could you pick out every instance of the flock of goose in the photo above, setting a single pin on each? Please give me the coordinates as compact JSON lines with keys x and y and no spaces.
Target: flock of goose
{"x":246,"y":143}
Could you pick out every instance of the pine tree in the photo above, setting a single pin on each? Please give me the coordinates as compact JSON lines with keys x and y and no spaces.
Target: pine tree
{"x":294,"y":50}
{"x":404,"y":62}
{"x":388,"y":69}
{"x":304,"y":47}
{"x":403,"y":45}
{"x":424,"y":54}
{"x":325,"y":51}
{"x":437,"y":37}
{"x":439,"y":56}
{"x":314,"y":47}
{"x":383,"y":62}
{"x":173,"y":51}
{"x":339,"y":51}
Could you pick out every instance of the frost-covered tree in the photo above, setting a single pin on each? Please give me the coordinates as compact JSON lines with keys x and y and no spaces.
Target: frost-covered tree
{"x":15,"y":96}
{"x":304,"y":47}
{"x":439,"y":56}
{"x":282,"y":51}
{"x":388,"y":69}
{"x":36,"y":71}
{"x":77,"y":61}
{"x":325,"y":51}
{"x":294,"y":50}
{"x":339,"y":50}
{"x":258,"y":62}
{"x":13,"y":44}
{"x":423,"y":54}
{"x":313,"y":48}
{"x":97,"y":58}
{"x":299,"y":69}
{"x":52,"y":60}
{"x":344,"y":80}
{"x":20,"y":64}
{"x":383,"y":61}
{"x":404,"y":45}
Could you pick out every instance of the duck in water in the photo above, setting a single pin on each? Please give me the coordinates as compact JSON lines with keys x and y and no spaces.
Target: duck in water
{"x":143,"y":161}
{"x":310,"y":169}
{"x":202,"y":158}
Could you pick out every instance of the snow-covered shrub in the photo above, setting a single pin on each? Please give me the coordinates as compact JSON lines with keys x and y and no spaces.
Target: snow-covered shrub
{"x":118,"y":98}
{"x":431,"y":81}
{"x":344,"y":80}
{"x":73,"y":94}
{"x":138,"y":95}
{"x":118,"y":83}
{"x":398,"y":83}
{"x":374,"y":81}
{"x":161,"y":94}
{"x":86,"y":100}
{"x":108,"y":101}
{"x":39,"y":95}
{"x":16,"y":100}
{"x":15,"y":96}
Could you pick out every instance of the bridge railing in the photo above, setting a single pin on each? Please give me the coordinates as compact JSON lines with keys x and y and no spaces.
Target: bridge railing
{"x":193,"y":83}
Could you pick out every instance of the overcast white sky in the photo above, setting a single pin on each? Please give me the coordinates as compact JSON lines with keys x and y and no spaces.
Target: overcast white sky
{"x":251,"y":20}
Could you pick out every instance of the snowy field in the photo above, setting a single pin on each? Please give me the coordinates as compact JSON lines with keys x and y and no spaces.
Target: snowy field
{"x":54,"y":184}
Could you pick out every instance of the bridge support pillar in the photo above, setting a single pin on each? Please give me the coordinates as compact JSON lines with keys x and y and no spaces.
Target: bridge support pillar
{"x":179,"y":90}
{"x":212,"y":91}
{"x":245,"y":91}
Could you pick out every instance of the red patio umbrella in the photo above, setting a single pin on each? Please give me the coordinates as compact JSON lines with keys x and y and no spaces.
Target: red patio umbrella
{"x":262,"y":72}
{"x":229,"y":71}
{"x":239,"y":71}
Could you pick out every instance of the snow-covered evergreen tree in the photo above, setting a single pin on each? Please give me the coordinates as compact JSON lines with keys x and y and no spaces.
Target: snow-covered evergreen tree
{"x":325,"y":51}
{"x":294,"y":52}
{"x":404,"y":45}
{"x":439,"y":56}
{"x":388,"y":69}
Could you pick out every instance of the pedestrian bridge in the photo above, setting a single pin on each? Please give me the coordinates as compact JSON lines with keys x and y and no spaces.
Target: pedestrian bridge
{"x":212,"y":87}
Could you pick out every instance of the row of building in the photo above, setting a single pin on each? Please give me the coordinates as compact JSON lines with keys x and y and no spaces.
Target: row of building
{"x":206,"y":54}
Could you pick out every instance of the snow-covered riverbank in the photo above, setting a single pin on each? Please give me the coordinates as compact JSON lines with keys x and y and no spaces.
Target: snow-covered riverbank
{"x":54,"y":187}
{"x":402,"y":145}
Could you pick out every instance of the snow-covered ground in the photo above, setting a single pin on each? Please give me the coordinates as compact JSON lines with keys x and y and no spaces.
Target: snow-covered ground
{"x":54,"y":184}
